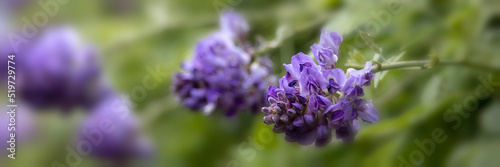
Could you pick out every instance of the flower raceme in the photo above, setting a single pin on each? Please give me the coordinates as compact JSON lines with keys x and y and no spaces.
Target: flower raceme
{"x":224,"y":74}
{"x":313,"y":100}
{"x":114,"y":132}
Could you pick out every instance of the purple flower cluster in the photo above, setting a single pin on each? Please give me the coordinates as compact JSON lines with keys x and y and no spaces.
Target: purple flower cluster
{"x":313,"y":100}
{"x":223,"y":74}
{"x":59,"y":70}
{"x":114,"y":132}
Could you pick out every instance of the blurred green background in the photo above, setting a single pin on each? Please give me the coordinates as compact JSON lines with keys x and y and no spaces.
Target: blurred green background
{"x":137,"y":36}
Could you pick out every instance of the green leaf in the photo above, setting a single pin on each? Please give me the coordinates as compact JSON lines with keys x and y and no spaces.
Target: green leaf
{"x":434,"y":58}
{"x":396,"y":59}
{"x":369,"y":41}
{"x":379,"y":77}
{"x":431,"y":91}
{"x":356,"y":57}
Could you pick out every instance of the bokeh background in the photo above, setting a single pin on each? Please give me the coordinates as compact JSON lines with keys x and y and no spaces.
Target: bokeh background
{"x":151,"y":38}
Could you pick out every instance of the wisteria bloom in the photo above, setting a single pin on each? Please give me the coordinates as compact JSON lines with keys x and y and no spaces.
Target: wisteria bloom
{"x":59,"y":70}
{"x":114,"y":132}
{"x":315,"y":100}
{"x":223,"y":75}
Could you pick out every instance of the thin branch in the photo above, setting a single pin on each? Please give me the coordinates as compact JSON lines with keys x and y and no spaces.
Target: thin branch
{"x":424,"y":64}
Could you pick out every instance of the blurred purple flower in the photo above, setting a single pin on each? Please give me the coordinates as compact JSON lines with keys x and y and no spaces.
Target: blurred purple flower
{"x":222,"y":74}
{"x":325,"y":57}
{"x":59,"y":70}
{"x":14,"y":5}
{"x":312,"y":101}
{"x":234,"y":25}
{"x":330,"y":41}
{"x":326,"y":53}
{"x":114,"y":132}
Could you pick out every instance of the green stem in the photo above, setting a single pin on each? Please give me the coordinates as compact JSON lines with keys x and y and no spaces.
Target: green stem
{"x":424,"y":64}
{"x":398,"y":65}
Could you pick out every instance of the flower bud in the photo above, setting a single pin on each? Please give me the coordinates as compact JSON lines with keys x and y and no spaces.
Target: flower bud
{"x":323,"y":98}
{"x":59,"y":70}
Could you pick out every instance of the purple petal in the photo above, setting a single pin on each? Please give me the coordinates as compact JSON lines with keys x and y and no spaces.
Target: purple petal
{"x":198,"y":93}
{"x":285,"y":86}
{"x":348,"y":111}
{"x":323,"y":101}
{"x":284,"y":118}
{"x":234,"y":25}
{"x":301,"y":61}
{"x":349,"y":83}
{"x":363,"y":76}
{"x":271,"y":100}
{"x":291,"y":71}
{"x":231,"y":112}
{"x":270,"y":91}
{"x":305,"y":138}
{"x":268,"y":120}
{"x":276,"y":118}
{"x":323,"y":135}
{"x":311,"y":76}
{"x":330,"y":40}
{"x":333,"y":86}
{"x":354,"y":92}
{"x":302,"y":99}
{"x":297,"y":106}
{"x":332,"y":108}
{"x":266,"y":110}
{"x":309,"y":119}
{"x":281,"y":95}
{"x":337,"y":74}
{"x":324,"y":56}
{"x":318,"y":102}
{"x":370,"y":114}
{"x":347,"y":131}
{"x":291,"y":113}
{"x":298,"y":122}
{"x":360,"y":104}
{"x":279,"y":128}
{"x":290,"y":97}
{"x":356,"y":125}
{"x":337,"y":115}
{"x":313,"y":103}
